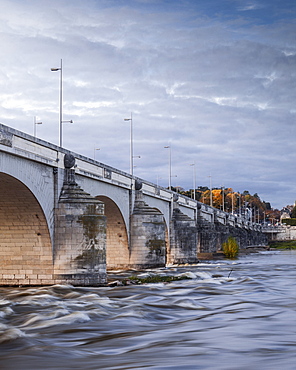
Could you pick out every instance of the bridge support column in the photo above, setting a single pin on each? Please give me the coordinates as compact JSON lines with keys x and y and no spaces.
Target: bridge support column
{"x":80,"y":248}
{"x":147,"y":244}
{"x":183,"y":238}
{"x":207,"y":236}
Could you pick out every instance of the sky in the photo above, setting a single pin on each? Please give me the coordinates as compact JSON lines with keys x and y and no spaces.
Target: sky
{"x":214,"y":80}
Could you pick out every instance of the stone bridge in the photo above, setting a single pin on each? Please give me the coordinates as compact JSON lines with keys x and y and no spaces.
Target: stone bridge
{"x":65,"y":218}
{"x":280,"y":232}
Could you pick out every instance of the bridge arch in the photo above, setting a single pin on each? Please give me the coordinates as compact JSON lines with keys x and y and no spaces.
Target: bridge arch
{"x":38,"y":178}
{"x":25,"y":243}
{"x":117,"y":250}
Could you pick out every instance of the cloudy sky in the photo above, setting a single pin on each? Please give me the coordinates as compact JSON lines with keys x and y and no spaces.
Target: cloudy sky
{"x":213,"y":79}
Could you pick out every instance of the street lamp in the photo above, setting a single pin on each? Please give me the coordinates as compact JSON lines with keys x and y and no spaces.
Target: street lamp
{"x":36,"y":123}
{"x":194,"y":179}
{"x":136,"y":156}
{"x":157,"y":180}
{"x":170,"y":164}
{"x":232,"y":206}
{"x":211,"y":195}
{"x":61,"y":102}
{"x":131,"y":146}
{"x":61,"y":99}
{"x":95,"y":152}
{"x":223,"y":199}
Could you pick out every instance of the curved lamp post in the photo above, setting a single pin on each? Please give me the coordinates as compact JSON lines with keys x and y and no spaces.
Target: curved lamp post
{"x":194,"y":179}
{"x":95,"y":149}
{"x":35,"y":124}
{"x":61,"y":102}
{"x":131,"y":146}
{"x":211,"y":194}
{"x":170,"y":165}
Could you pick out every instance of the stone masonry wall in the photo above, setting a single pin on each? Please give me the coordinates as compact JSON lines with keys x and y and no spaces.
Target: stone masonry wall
{"x":212,"y":235}
{"x":80,"y":251}
{"x":117,"y":251}
{"x":25,"y":245}
{"x":183,"y":239}
{"x":148,"y":245}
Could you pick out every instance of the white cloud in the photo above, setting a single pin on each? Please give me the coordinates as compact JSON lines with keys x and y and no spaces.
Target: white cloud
{"x":220,"y":88}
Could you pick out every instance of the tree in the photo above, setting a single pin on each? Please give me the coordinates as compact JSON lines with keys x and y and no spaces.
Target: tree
{"x":237,"y":202}
{"x":293,"y":213}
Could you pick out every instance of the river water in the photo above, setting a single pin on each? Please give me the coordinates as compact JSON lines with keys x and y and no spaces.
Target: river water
{"x":230,"y":315}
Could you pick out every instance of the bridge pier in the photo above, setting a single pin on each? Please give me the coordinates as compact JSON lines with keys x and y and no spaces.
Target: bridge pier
{"x":80,"y":243}
{"x":183,"y":238}
{"x":148,"y":235}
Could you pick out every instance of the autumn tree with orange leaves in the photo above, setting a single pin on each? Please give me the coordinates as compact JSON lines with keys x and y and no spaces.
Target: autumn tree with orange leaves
{"x":237,"y":203}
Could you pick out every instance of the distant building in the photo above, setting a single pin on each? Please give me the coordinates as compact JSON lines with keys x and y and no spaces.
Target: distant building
{"x":286,"y":212}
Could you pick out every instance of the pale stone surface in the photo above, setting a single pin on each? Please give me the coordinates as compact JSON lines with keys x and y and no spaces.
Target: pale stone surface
{"x":148,"y":235}
{"x":25,"y":244}
{"x":80,"y":251}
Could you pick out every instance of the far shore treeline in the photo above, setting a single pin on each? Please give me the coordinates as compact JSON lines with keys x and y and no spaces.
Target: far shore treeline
{"x":237,"y":203}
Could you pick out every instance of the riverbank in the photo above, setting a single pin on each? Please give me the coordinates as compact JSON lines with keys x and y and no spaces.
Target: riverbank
{"x":283,"y":245}
{"x":273,"y":245}
{"x":242,"y":252}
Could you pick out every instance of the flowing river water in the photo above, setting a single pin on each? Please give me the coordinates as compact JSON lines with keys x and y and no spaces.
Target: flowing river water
{"x":229,"y":315}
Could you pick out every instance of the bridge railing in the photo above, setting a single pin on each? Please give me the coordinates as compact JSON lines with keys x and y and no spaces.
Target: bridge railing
{"x":27,"y":146}
{"x":274,"y":228}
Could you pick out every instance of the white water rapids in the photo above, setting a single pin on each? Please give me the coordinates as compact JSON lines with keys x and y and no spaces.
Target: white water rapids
{"x":229,"y":315}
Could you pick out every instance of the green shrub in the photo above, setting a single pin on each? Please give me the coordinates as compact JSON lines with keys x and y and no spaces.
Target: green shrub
{"x":289,"y":221}
{"x":230,"y":248}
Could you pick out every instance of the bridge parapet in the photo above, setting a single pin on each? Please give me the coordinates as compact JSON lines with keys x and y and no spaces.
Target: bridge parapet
{"x":155,"y":190}
{"x":274,"y":228}
{"x":220,"y":217}
{"x":206,"y":212}
{"x":23,"y":145}
{"x":231,"y":219}
{"x":26,"y":146}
